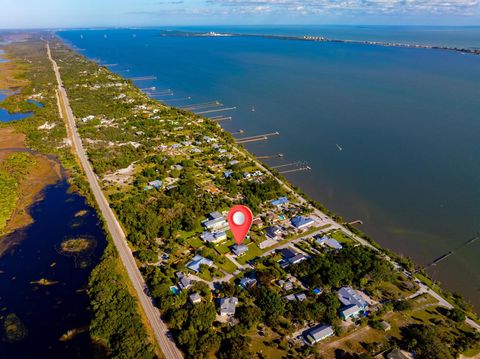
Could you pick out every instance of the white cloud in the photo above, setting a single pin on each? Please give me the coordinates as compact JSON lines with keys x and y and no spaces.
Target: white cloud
{"x":305,"y":7}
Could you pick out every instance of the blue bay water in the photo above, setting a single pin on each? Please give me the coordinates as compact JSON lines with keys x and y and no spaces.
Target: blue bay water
{"x":406,"y":119}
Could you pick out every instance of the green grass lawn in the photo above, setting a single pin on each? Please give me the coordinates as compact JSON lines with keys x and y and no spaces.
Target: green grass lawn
{"x":195,"y":242}
{"x":340,"y":237}
{"x":223,"y":248}
{"x":227,"y":265}
{"x":253,"y":251}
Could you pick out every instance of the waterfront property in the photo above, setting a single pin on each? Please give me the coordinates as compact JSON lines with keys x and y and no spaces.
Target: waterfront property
{"x":329,"y":242}
{"x":279,"y":202}
{"x":301,"y":222}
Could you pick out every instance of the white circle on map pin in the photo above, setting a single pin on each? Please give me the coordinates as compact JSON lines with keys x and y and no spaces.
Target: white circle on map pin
{"x":238,"y":218}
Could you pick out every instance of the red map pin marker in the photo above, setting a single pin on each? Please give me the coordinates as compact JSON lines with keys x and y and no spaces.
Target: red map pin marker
{"x":240,"y":220}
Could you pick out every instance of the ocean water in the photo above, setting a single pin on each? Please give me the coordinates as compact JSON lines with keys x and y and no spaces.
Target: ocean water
{"x":407,"y":121}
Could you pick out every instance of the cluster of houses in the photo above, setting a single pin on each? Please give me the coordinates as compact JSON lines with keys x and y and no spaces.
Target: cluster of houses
{"x":354,"y":305}
{"x":216,"y":227}
{"x":227,"y":305}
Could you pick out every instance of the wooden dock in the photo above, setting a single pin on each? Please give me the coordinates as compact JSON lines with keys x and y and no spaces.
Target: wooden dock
{"x":218,"y":110}
{"x":308,"y":168}
{"x":298,"y":163}
{"x":179,"y":99}
{"x":159,"y":93}
{"x":143,"y":78}
{"x":257,"y":137}
{"x":278,"y":155}
{"x":221,"y":118}
{"x":203,"y":105}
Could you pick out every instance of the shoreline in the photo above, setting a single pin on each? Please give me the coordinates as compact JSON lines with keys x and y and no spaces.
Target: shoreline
{"x":462,"y":50}
{"x":358,"y":235}
{"x":44,"y":172}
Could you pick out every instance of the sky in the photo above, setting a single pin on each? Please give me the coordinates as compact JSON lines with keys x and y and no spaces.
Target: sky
{"x":122,"y":13}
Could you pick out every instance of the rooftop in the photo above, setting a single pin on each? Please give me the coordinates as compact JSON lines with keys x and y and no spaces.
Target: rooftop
{"x":301,"y":222}
{"x":349,"y":296}
{"x":330,"y":242}
{"x":227,"y":305}
{"x":197,"y":261}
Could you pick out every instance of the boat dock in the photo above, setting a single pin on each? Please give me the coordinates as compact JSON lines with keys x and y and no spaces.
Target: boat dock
{"x":221,"y":118}
{"x":307,"y":168}
{"x":199,"y":106}
{"x":287,"y":165}
{"x":218,"y":110}
{"x":257,"y":137}
{"x":179,"y":99}
{"x":278,"y":155}
{"x":446,"y":255}
{"x":143,"y":78}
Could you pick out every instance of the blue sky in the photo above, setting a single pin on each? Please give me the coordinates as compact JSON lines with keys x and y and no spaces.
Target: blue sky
{"x":88,"y":13}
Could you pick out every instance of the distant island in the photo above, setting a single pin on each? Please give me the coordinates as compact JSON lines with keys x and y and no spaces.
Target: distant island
{"x":173,"y":281}
{"x":472,"y":51}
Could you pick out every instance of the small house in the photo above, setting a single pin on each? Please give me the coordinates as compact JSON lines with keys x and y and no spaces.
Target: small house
{"x":300,"y":222}
{"x":298,"y":258}
{"x":350,"y":311}
{"x":318,"y":333}
{"x":195,"y":298}
{"x":247,"y":282}
{"x":273,"y":232}
{"x":279,"y":202}
{"x":239,"y":249}
{"x":329,"y":242}
{"x":300,"y":297}
{"x":197,"y":261}
{"x":228,"y":305}
{"x":156,"y":184}
{"x":184,"y":283}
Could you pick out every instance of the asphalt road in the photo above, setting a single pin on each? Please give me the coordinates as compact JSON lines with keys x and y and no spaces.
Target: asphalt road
{"x":159,"y":328}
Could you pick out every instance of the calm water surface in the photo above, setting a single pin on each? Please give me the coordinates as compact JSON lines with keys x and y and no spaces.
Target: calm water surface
{"x":6,"y":116}
{"x":48,"y":312}
{"x":407,"y":121}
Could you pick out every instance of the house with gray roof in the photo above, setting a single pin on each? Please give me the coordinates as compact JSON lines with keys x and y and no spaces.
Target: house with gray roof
{"x":197,"y":261}
{"x":239,"y":249}
{"x":195,"y":298}
{"x":349,"y":296}
{"x":184,"y":283}
{"x":353,"y":303}
{"x":318,"y":333}
{"x":213,"y":237}
{"x":215,"y":222}
{"x":329,"y":242}
{"x":228,"y":305}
